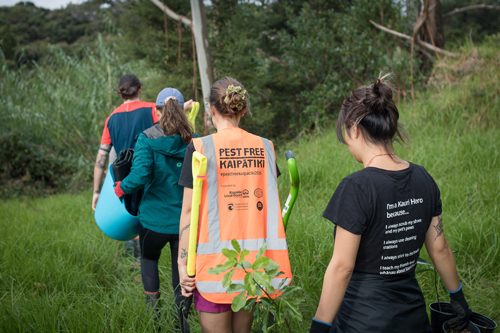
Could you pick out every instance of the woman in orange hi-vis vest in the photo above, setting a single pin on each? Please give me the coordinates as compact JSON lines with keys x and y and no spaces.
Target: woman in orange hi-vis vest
{"x":239,"y":201}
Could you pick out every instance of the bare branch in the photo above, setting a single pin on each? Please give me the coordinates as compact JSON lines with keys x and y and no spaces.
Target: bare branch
{"x":471,"y":7}
{"x":170,"y":13}
{"x":419,"y":42}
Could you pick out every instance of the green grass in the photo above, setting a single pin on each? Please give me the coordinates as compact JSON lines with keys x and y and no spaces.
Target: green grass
{"x":58,"y":272}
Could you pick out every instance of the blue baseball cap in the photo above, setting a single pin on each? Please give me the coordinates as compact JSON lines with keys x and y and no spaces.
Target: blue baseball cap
{"x":169,"y":92}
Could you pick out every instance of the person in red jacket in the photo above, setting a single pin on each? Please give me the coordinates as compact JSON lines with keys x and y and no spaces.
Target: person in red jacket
{"x":120,"y":132}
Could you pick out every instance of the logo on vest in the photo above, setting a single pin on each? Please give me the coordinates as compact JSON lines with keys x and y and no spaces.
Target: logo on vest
{"x":237,"y":194}
{"x":258,"y":192}
{"x":260,"y":205}
{"x":237,"y":206}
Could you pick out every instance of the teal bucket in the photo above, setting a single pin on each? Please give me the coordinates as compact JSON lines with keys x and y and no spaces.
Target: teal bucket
{"x":111,"y":216}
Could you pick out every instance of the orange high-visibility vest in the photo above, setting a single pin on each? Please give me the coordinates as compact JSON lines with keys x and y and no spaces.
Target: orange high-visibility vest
{"x":239,"y":201}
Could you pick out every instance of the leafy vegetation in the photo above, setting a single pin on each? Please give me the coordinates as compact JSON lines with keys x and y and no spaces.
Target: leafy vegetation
{"x":297,"y":59}
{"x":274,"y":307}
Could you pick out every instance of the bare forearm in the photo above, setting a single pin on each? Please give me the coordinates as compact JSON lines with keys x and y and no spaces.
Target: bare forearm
{"x":441,"y":254}
{"x":444,"y":261}
{"x":334,"y":286}
{"x":100,"y":164}
{"x":183,"y":238}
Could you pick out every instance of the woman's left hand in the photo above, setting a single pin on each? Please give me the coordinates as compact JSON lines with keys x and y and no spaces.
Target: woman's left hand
{"x":188,"y":105}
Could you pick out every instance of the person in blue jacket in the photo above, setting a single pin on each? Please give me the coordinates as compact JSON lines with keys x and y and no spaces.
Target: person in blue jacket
{"x":156,"y":167}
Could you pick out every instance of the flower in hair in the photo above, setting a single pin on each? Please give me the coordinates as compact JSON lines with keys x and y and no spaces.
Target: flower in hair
{"x":238,"y":91}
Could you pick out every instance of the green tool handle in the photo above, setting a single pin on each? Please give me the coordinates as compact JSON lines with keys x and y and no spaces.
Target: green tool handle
{"x":293,"y":172}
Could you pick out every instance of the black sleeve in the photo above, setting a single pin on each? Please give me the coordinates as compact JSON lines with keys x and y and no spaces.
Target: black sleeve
{"x":437,"y":202}
{"x":186,"y":178}
{"x":349,"y":207}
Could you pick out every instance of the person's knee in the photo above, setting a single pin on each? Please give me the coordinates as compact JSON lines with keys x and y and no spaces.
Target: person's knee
{"x":216,"y":322}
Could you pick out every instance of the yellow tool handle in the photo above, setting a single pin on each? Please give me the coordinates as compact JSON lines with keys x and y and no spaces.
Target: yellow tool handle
{"x":192,"y":114}
{"x":199,"y":163}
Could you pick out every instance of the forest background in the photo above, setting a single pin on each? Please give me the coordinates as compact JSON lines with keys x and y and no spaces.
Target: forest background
{"x":298,"y":59}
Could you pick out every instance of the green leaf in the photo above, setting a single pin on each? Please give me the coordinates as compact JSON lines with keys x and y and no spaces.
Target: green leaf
{"x":236,"y":245}
{"x":264,"y":280}
{"x":234,"y":287}
{"x":250,"y":285}
{"x":261,"y":263}
{"x":238,"y":302}
{"x":222,"y":267}
{"x":261,"y":251}
{"x":230,"y":254}
{"x":250,"y":304}
{"x":271,"y":266}
{"x":226,"y":280}
{"x":243,"y":254}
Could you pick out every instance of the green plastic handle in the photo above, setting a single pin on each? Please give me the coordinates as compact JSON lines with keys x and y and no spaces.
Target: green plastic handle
{"x":293,"y":172}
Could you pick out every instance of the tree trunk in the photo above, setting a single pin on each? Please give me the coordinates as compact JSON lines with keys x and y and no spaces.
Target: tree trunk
{"x":432,"y":31}
{"x":203,"y":55}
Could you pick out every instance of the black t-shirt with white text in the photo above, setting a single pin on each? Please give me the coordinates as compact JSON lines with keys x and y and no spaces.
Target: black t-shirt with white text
{"x":391,"y":210}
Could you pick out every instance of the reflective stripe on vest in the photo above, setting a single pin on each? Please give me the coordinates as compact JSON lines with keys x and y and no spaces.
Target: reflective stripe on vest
{"x":216,"y":286}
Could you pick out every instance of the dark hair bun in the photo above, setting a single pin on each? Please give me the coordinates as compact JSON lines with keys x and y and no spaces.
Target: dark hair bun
{"x":129,"y":86}
{"x":379,"y":97}
{"x":373,"y":109}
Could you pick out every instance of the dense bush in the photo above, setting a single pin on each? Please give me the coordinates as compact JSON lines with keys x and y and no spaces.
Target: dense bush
{"x":298,"y":59}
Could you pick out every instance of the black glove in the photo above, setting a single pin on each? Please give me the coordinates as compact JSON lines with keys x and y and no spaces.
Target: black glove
{"x":320,"y":327}
{"x":460,"y":309}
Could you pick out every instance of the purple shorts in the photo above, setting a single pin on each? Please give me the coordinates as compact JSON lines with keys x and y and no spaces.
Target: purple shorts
{"x":203,"y":305}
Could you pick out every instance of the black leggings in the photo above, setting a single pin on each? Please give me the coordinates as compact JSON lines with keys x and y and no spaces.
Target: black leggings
{"x":151,"y":245}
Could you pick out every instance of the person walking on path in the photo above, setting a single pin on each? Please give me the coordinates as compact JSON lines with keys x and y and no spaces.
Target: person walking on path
{"x":156,"y":167}
{"x":239,"y":201}
{"x":122,"y":126}
{"x":383,"y":215}
{"x":120,"y":132}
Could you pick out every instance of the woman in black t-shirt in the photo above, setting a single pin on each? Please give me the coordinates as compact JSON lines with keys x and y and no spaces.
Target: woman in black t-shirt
{"x":383,"y":215}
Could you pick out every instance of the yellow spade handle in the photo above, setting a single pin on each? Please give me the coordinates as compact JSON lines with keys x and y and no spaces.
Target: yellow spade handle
{"x":199,"y":163}
{"x":192,"y":114}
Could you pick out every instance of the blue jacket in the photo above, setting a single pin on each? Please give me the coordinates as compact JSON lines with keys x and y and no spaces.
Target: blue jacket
{"x":156,"y":167}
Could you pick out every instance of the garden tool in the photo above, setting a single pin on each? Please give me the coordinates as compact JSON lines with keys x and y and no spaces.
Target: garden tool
{"x":199,"y":167}
{"x":293,"y":172}
{"x":192,"y":115}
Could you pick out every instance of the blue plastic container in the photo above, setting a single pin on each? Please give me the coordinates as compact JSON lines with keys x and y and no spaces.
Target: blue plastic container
{"x":111,"y":216}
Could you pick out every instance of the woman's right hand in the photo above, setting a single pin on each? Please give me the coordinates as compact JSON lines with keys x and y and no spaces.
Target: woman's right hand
{"x":188,"y":284}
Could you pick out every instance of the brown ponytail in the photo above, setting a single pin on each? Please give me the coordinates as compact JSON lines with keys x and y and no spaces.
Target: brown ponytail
{"x":173,"y":120}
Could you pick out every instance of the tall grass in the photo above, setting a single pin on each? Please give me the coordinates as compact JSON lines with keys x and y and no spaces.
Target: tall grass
{"x":52,"y":114}
{"x":454,"y":132}
{"x":59,"y":273}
